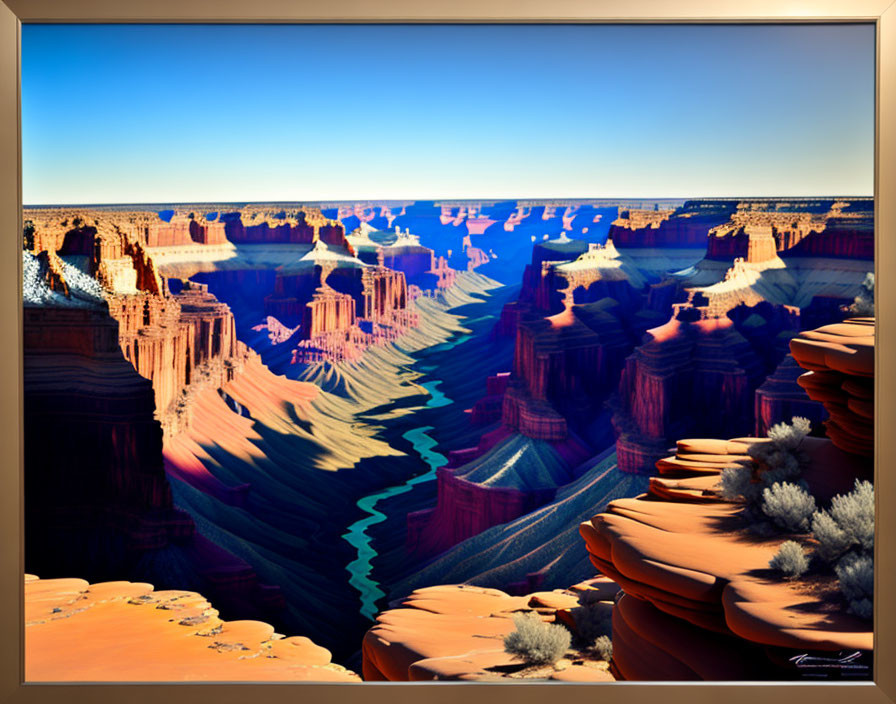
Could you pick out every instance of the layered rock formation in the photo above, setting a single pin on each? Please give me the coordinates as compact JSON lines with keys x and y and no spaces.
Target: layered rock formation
{"x":302,"y":227}
{"x":848,"y":236}
{"x":695,"y":374}
{"x":598,"y":273}
{"x":510,"y":479}
{"x":456,"y":632}
{"x":385,"y":293}
{"x":129,"y":632}
{"x":750,"y":242}
{"x":743,"y":282}
{"x":698,"y":373}
{"x":780,"y":398}
{"x":485,"y":236}
{"x":327,"y":311}
{"x":573,"y":355}
{"x":755,"y":229}
{"x":539,"y":550}
{"x":488,"y":409}
{"x":366,"y":249}
{"x":108,"y":370}
{"x":268,"y":457}
{"x":102,"y":471}
{"x":297,"y":282}
{"x":407,"y":255}
{"x":685,"y":376}
{"x":840,"y":363}
{"x":169,"y":234}
{"x":687,"y":553}
{"x":533,"y":292}
{"x":565,"y":366}
{"x":177,"y":342}
{"x":211,"y":232}
{"x":247,"y":459}
{"x":684,"y":227}
{"x":210,"y":395}
{"x":187,"y":227}
{"x":353,"y":305}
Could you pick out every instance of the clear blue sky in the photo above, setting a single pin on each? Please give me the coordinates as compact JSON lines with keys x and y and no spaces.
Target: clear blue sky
{"x":158,"y":113}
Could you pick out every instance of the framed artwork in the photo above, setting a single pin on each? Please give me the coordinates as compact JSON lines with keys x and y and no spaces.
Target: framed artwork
{"x":364,"y":349}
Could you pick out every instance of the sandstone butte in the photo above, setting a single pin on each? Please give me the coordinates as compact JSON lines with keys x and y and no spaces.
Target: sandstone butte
{"x":127,"y":632}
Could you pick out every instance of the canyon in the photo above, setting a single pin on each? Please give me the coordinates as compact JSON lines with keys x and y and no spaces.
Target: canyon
{"x":309,"y":415}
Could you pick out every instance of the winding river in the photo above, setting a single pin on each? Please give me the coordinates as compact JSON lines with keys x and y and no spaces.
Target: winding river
{"x":356,"y":536}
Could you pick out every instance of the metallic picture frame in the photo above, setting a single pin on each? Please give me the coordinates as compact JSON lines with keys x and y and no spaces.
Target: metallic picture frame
{"x":13,"y":13}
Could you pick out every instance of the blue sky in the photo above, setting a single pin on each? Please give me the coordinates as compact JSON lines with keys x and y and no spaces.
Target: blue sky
{"x":167,"y":113}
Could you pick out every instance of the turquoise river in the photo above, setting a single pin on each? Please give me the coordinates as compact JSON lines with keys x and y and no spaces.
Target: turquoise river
{"x":356,"y":536}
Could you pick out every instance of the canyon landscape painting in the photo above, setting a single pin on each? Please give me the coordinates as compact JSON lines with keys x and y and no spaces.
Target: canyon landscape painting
{"x":482,"y":353}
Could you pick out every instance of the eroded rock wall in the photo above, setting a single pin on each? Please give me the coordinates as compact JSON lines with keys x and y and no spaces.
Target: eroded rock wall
{"x":687,"y":377}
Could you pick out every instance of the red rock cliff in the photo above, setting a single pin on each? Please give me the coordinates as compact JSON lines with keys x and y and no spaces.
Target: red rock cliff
{"x":685,"y":378}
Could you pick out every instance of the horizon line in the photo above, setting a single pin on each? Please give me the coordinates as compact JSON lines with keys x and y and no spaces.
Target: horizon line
{"x":372,"y":201}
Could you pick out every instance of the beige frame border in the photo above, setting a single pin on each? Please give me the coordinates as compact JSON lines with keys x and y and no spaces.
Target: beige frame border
{"x":12,"y":12}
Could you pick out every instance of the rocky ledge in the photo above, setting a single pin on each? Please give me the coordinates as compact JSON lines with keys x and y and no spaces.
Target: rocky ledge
{"x":127,"y":632}
{"x":840,"y":363}
{"x":689,"y":566}
{"x":456,"y":632}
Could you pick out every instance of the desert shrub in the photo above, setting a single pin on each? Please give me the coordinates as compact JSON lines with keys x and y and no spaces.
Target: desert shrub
{"x":736,"y":483}
{"x":779,"y":466}
{"x":604,"y":648}
{"x":847,"y":525}
{"x":832,"y":540}
{"x":863,"y":304}
{"x":777,"y":461}
{"x":856,"y":576}
{"x":592,"y":618}
{"x":789,"y":437}
{"x":789,"y":506}
{"x":845,"y":537}
{"x":863,"y":608}
{"x":790,"y":560}
{"x":536,"y":642}
{"x":854,"y":512}
{"x":780,"y":459}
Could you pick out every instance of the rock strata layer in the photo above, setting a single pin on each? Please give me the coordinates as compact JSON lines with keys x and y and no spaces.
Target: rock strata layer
{"x":840,"y":363}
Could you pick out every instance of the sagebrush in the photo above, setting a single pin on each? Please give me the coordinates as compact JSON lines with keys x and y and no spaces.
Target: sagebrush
{"x":774,"y":498}
{"x":778,"y":461}
{"x":790,"y":560}
{"x":789,"y":506}
{"x":845,"y":540}
{"x":603,"y":646}
{"x":536,"y":642}
{"x":593,"y":617}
